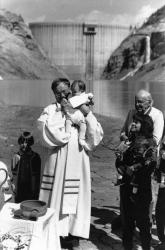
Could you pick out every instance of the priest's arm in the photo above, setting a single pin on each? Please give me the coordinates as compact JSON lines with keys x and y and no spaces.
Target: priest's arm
{"x":51,"y":127}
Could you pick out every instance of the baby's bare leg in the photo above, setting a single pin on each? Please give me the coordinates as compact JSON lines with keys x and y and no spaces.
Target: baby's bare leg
{"x":68,"y":124}
{"x":82,"y":130}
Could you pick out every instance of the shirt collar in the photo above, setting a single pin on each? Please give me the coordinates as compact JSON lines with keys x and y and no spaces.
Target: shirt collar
{"x":148,"y":111}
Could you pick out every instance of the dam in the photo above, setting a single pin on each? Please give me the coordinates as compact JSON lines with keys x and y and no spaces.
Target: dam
{"x":81,"y":50}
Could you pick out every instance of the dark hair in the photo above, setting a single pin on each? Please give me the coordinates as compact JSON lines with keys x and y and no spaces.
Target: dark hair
{"x":147,"y":125}
{"x":80,"y":84}
{"x":26,"y":137}
{"x":57,"y":81}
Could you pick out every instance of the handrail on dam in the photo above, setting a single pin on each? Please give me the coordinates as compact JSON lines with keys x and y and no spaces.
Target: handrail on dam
{"x":115,"y":26}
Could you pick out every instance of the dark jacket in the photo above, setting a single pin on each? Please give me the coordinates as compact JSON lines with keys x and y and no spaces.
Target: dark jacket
{"x":142,"y":154}
{"x":26,"y":170}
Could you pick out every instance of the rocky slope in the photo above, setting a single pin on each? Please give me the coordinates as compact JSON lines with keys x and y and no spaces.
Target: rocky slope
{"x":142,"y":54}
{"x":21,"y":57}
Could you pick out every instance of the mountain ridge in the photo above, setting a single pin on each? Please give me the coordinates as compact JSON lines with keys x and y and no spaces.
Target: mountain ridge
{"x":128,"y":61}
{"x":21,"y":56}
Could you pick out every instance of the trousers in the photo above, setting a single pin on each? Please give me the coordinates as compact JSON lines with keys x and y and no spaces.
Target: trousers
{"x":135,"y":213}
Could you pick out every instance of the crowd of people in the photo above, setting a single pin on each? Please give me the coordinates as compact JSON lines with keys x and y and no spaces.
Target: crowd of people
{"x":139,"y":165}
{"x":69,"y":130}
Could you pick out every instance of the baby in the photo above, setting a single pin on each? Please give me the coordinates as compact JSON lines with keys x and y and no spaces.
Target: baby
{"x":74,"y":115}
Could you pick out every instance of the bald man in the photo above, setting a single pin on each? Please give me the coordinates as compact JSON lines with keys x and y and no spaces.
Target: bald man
{"x":143,"y":105}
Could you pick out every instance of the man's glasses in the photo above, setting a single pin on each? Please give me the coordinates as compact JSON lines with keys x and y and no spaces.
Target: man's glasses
{"x":142,"y":101}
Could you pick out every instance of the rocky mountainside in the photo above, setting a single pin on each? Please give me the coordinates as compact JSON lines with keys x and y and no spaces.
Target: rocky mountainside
{"x":20,"y":55}
{"x":142,"y":54}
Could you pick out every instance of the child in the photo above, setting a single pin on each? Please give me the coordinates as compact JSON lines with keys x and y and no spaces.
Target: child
{"x":74,"y":115}
{"x":26,"y":168}
{"x":138,"y":157}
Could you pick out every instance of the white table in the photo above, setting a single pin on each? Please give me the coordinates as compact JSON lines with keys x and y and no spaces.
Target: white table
{"x":41,"y":234}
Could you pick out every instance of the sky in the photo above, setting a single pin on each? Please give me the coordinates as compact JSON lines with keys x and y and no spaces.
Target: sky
{"x":120,"y":12}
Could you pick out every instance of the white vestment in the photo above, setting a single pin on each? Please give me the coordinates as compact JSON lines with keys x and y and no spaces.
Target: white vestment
{"x":66,"y":184}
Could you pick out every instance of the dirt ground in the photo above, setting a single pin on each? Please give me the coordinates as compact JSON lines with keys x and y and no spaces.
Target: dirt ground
{"x":105,"y":196}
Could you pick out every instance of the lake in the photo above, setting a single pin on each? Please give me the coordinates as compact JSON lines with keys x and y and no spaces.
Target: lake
{"x":111,"y":98}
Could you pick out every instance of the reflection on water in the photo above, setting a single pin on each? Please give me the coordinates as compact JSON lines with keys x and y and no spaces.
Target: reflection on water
{"x":112,"y":98}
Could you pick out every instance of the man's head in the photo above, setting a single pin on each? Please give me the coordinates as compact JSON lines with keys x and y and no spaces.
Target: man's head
{"x":61,"y":89}
{"x":143,"y":101}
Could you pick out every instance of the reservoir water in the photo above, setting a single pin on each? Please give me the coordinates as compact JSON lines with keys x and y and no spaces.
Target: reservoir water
{"x":111,"y":98}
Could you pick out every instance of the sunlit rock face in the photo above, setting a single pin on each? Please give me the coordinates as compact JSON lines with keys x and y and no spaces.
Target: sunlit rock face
{"x":141,"y":53}
{"x":21,"y":56}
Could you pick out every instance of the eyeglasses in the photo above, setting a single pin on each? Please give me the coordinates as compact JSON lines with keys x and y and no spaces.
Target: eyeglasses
{"x":142,"y":101}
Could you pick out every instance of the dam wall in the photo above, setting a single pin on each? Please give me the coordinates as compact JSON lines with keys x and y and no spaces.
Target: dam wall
{"x":81,"y":50}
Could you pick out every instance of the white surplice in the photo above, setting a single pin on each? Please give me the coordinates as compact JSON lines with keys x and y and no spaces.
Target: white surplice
{"x":66,"y":183}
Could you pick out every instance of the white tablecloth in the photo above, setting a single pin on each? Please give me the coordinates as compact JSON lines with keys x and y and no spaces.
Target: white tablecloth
{"x":41,"y":234}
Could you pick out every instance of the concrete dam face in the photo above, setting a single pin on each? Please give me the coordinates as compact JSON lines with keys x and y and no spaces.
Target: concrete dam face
{"x":81,"y":50}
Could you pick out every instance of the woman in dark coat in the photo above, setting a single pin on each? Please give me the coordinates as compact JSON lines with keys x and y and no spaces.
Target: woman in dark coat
{"x":138,"y":163}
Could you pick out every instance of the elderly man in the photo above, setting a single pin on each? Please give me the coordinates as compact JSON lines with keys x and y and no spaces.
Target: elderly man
{"x":143,"y":105}
{"x":66,"y":183}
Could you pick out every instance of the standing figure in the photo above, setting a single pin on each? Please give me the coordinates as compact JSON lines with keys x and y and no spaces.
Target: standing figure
{"x":66,"y":181}
{"x":137,"y":165}
{"x":26,"y":170}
